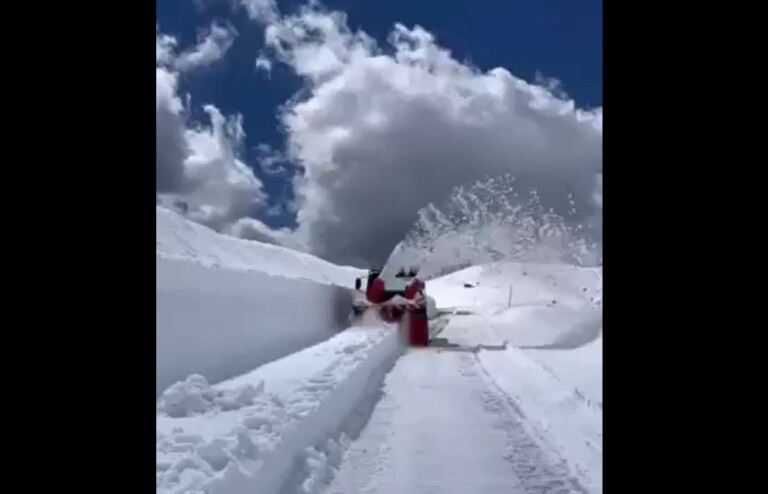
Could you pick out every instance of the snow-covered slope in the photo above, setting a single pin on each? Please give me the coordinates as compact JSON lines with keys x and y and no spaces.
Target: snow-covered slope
{"x":226,"y":305}
{"x":553,"y":312}
{"x":177,"y":237}
{"x":531,"y":284}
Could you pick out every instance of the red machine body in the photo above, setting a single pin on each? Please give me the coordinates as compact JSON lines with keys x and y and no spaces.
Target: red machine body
{"x":404,"y":304}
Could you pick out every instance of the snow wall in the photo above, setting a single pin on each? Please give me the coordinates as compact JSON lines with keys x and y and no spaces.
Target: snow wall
{"x":221,"y":322}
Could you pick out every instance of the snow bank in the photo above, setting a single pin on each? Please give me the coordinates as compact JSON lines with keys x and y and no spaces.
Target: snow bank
{"x":254,"y":432}
{"x":226,"y":305}
{"x":177,"y":237}
{"x":223,"y":322}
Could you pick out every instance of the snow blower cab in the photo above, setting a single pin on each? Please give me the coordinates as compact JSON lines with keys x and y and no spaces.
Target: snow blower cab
{"x":372,"y":275}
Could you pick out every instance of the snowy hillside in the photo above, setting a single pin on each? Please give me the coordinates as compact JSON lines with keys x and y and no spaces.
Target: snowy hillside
{"x":225,"y":305}
{"x":554,"y":314}
{"x":177,"y":237}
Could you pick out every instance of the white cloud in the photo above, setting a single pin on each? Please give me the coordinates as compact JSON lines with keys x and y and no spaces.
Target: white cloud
{"x":224,"y":189}
{"x":198,"y":169}
{"x":264,"y":64}
{"x":253,"y":229}
{"x":382,"y":132}
{"x":260,"y":10}
{"x":273,"y":162}
{"x":164,"y":47}
{"x":171,"y":147}
{"x":211,"y":47}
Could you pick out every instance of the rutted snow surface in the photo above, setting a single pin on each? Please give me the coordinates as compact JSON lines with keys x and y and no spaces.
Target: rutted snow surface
{"x":442,"y":428}
{"x":568,"y":421}
{"x":247,"y":435}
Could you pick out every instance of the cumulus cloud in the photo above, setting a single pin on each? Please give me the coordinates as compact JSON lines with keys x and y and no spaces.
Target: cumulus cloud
{"x":223,"y":188}
{"x":170,"y":145}
{"x":198,"y":170}
{"x":382,"y":131}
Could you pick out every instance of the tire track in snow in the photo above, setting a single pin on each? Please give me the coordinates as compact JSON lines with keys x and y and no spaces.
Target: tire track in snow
{"x":536,"y":464}
{"x":563,"y":422}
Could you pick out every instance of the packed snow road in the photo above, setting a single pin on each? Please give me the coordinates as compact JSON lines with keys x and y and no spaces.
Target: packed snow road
{"x":443,"y":426}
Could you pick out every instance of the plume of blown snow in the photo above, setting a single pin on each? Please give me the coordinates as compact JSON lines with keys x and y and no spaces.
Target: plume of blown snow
{"x":489,"y":222}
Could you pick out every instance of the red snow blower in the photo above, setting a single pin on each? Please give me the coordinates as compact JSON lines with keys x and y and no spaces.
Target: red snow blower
{"x":400,"y":300}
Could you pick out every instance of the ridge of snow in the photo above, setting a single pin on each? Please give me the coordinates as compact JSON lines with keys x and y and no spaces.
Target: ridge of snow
{"x":177,"y":237}
{"x":226,"y":305}
{"x":248,"y":434}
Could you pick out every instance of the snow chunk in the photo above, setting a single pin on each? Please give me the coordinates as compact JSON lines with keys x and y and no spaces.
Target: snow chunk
{"x":195,"y":396}
{"x":240,"y":397}
{"x":187,"y":398}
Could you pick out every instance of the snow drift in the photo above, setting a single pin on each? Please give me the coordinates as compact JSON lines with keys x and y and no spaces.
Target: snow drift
{"x":226,"y":305}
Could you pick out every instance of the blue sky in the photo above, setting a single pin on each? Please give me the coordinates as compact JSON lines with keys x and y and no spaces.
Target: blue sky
{"x":555,"y":38}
